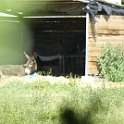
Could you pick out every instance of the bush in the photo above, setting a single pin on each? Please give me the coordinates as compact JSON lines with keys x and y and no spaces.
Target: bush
{"x":111,"y":63}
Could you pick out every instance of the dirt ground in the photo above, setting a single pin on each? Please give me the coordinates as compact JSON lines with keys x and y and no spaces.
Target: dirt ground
{"x":84,"y":81}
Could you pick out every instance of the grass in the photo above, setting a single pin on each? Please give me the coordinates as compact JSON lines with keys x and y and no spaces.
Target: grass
{"x":40,"y":102}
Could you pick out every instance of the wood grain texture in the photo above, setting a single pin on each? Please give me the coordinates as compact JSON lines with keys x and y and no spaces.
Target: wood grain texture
{"x":109,"y":30}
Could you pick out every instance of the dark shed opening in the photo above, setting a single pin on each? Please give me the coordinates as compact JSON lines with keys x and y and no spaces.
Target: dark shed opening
{"x":60,"y":44}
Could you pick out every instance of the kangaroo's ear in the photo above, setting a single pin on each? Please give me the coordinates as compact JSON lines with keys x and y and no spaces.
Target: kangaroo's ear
{"x":26,"y":55}
{"x":35,"y":55}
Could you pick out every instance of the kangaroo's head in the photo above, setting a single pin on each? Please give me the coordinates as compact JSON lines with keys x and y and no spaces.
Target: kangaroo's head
{"x":31,"y":64}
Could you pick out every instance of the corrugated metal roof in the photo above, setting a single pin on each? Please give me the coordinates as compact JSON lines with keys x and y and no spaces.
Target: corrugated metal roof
{"x":46,"y":7}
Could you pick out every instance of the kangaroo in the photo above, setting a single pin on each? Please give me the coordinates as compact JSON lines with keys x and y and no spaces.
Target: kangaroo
{"x":20,"y":70}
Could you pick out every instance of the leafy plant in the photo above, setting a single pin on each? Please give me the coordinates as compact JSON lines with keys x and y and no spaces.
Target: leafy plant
{"x":111,"y":63}
{"x":49,"y":72}
{"x":122,"y":2}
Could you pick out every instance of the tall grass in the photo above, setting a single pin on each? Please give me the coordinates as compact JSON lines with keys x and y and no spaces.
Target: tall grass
{"x":40,"y":102}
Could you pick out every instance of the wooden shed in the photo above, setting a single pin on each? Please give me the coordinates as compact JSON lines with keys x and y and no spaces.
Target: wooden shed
{"x":108,"y":29}
{"x":68,"y":34}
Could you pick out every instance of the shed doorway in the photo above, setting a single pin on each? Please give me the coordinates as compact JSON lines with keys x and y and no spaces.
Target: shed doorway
{"x":60,"y":43}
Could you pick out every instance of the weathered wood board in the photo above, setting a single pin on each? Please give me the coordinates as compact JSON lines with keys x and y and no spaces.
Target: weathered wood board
{"x":109,"y":30}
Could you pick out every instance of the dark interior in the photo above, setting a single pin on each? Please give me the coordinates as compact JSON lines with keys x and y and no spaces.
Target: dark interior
{"x":60,"y":44}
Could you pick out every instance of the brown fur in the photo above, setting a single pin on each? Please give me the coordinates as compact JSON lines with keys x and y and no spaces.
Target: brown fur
{"x":19,"y":70}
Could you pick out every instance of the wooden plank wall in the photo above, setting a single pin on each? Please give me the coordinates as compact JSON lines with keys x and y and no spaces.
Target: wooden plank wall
{"x":110,"y":29}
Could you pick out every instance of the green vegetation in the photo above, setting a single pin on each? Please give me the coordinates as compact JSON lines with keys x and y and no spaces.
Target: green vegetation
{"x":40,"y":102}
{"x":111,"y":63}
{"x":49,"y":72}
{"x":122,"y":2}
